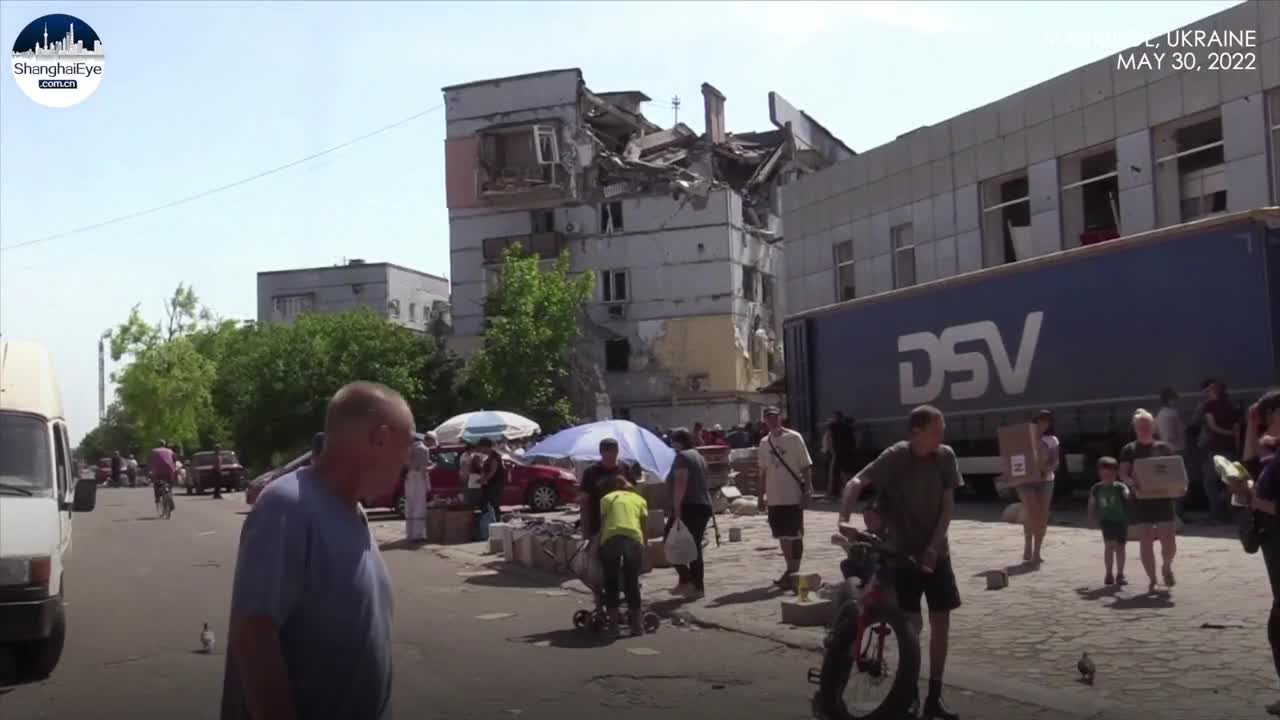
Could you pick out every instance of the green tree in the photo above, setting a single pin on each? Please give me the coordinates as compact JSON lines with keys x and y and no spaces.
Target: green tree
{"x":114,"y":432}
{"x":533,"y":317}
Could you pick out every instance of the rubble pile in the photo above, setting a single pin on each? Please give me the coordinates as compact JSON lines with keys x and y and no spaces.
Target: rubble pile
{"x":718,"y":469}
{"x":746,"y":473}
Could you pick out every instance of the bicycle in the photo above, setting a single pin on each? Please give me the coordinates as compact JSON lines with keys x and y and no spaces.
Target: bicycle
{"x":164,"y":504}
{"x":865,"y":618}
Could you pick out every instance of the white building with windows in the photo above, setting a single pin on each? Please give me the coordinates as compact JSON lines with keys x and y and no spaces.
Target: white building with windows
{"x":680,"y":230}
{"x":416,"y":300}
{"x":1096,"y":153}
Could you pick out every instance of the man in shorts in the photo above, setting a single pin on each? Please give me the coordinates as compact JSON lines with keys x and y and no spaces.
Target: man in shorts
{"x":784,"y":488}
{"x":915,"y":481}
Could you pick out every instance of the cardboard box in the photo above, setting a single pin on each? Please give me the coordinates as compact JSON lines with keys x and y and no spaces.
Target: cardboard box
{"x":1159,"y":478}
{"x":815,"y":613}
{"x":657,"y":524}
{"x":656,"y":556}
{"x":435,"y":524}
{"x":459,"y":526}
{"x":1019,"y":453}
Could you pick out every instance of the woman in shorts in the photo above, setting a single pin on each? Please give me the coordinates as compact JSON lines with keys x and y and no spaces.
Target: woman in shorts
{"x":1036,"y":496}
{"x":1153,"y":518}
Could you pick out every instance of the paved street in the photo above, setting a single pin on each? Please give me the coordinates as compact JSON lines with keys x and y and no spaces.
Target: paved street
{"x":1198,"y":653}
{"x":139,"y":589}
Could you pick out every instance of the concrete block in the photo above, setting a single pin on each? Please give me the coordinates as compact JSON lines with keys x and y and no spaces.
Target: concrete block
{"x":735,"y":534}
{"x":1068,"y":132}
{"x":940,"y":140}
{"x":1068,"y":92}
{"x":1164,"y":100}
{"x":1099,"y":123}
{"x":815,"y":613}
{"x":525,"y":546}
{"x":1037,"y":104}
{"x":963,"y":131}
{"x":1131,"y":111}
{"x":990,"y":159}
{"x":497,"y":544}
{"x":986,"y":124}
{"x":1247,"y":183}
{"x":1244,"y":128}
{"x":1097,"y":82}
{"x":1010,"y":117}
{"x":965,"y":167}
{"x":944,"y":214}
{"x":967,"y":208}
{"x":1040,"y":142}
{"x":940,"y":176}
{"x":921,"y":182}
{"x":918,"y":147}
{"x":1200,"y":91}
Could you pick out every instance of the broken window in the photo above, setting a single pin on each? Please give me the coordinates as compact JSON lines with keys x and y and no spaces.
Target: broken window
{"x":519,"y":158}
{"x":393,"y":307}
{"x":542,"y":221}
{"x":617,"y":355}
{"x":1006,"y":220}
{"x":413,"y":312}
{"x":1090,"y":198}
{"x":904,"y":255}
{"x":287,"y":307}
{"x":546,"y":245}
{"x":613,"y":286}
{"x":1196,"y":161}
{"x":768,"y":289}
{"x":748,"y":282}
{"x":844,"y":271}
{"x":611,"y":217}
{"x":1275,"y":145}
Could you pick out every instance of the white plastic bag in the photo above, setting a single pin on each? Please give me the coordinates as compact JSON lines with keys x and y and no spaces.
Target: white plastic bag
{"x":680,"y":548}
{"x":587,"y":567}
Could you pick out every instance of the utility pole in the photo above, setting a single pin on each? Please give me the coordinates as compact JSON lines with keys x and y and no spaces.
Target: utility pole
{"x":102,"y":376}
{"x":675,"y":106}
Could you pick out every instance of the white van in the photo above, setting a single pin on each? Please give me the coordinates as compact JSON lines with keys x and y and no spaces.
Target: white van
{"x":39,"y":491}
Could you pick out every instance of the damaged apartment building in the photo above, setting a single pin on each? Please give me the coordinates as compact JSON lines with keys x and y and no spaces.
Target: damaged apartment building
{"x":681,"y":231}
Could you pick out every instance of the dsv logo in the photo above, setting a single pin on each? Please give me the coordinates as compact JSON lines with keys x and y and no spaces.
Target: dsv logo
{"x":944,"y":359}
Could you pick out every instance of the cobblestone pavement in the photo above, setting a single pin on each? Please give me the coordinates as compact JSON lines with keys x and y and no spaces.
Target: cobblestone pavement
{"x":1196,"y":652}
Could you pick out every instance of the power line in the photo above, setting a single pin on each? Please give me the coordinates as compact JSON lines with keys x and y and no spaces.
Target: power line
{"x":221,"y":188}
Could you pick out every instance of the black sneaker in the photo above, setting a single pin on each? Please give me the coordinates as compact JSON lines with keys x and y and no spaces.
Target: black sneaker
{"x":935,"y":710}
{"x":1108,"y":580}
{"x":1120,"y":579}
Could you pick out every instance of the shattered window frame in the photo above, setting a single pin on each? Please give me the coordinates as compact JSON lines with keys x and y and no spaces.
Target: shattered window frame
{"x":749,"y":274}
{"x":550,"y":154}
{"x":768,"y":289}
{"x":611,"y":217}
{"x":904,"y":255}
{"x":609,"y":286}
{"x":617,"y":355}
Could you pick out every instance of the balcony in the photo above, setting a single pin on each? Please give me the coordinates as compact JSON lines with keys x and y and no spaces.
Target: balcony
{"x":545,"y":245}
{"x":515,"y":165}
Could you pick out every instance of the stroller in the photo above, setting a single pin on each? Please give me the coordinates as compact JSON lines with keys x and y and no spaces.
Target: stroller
{"x":585,"y":566}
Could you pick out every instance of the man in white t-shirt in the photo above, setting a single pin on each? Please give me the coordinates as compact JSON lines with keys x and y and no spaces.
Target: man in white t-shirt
{"x":784,"y":488}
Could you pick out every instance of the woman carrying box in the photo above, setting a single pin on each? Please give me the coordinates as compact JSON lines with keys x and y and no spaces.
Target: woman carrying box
{"x":1036,"y":497}
{"x":1153,"y":517}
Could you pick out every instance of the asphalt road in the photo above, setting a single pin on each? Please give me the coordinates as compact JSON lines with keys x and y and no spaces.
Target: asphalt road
{"x":139,"y":588}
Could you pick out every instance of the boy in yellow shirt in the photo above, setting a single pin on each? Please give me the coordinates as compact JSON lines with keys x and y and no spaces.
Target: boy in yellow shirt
{"x":623,"y":515}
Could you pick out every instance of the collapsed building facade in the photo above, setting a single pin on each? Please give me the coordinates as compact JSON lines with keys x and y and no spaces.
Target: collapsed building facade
{"x":682,"y":233}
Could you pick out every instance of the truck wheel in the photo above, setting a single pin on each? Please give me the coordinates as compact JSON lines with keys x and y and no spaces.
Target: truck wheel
{"x":37,"y":660}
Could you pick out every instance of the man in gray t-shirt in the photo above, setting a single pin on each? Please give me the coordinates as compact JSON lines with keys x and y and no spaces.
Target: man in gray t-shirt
{"x":311,"y":606}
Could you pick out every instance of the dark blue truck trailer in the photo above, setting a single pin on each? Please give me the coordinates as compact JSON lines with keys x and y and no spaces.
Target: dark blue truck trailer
{"x":1091,"y":333}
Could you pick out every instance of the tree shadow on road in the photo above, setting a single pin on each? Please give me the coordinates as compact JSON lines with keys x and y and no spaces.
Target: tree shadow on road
{"x":568,"y":638}
{"x":746,"y":596}
{"x":402,"y":544}
{"x":1147,"y":601}
{"x":510,"y":577}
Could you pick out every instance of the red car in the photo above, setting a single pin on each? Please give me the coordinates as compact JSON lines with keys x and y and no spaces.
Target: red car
{"x":541,"y":488}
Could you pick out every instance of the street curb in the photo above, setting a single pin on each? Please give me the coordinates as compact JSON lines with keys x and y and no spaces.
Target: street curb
{"x":1083,"y":703}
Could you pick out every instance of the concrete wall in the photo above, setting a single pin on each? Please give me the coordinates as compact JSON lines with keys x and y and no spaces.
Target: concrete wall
{"x":350,"y":287}
{"x":935,"y":177}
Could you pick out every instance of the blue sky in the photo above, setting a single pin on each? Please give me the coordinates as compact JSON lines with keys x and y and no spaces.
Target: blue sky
{"x":196,"y":95}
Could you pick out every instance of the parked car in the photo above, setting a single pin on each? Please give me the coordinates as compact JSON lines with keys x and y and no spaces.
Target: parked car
{"x":102,"y":473}
{"x":254,"y":489}
{"x":541,"y":488}
{"x":200,"y":472}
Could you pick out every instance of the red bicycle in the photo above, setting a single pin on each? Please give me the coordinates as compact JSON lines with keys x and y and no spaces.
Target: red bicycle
{"x":868,"y":632}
